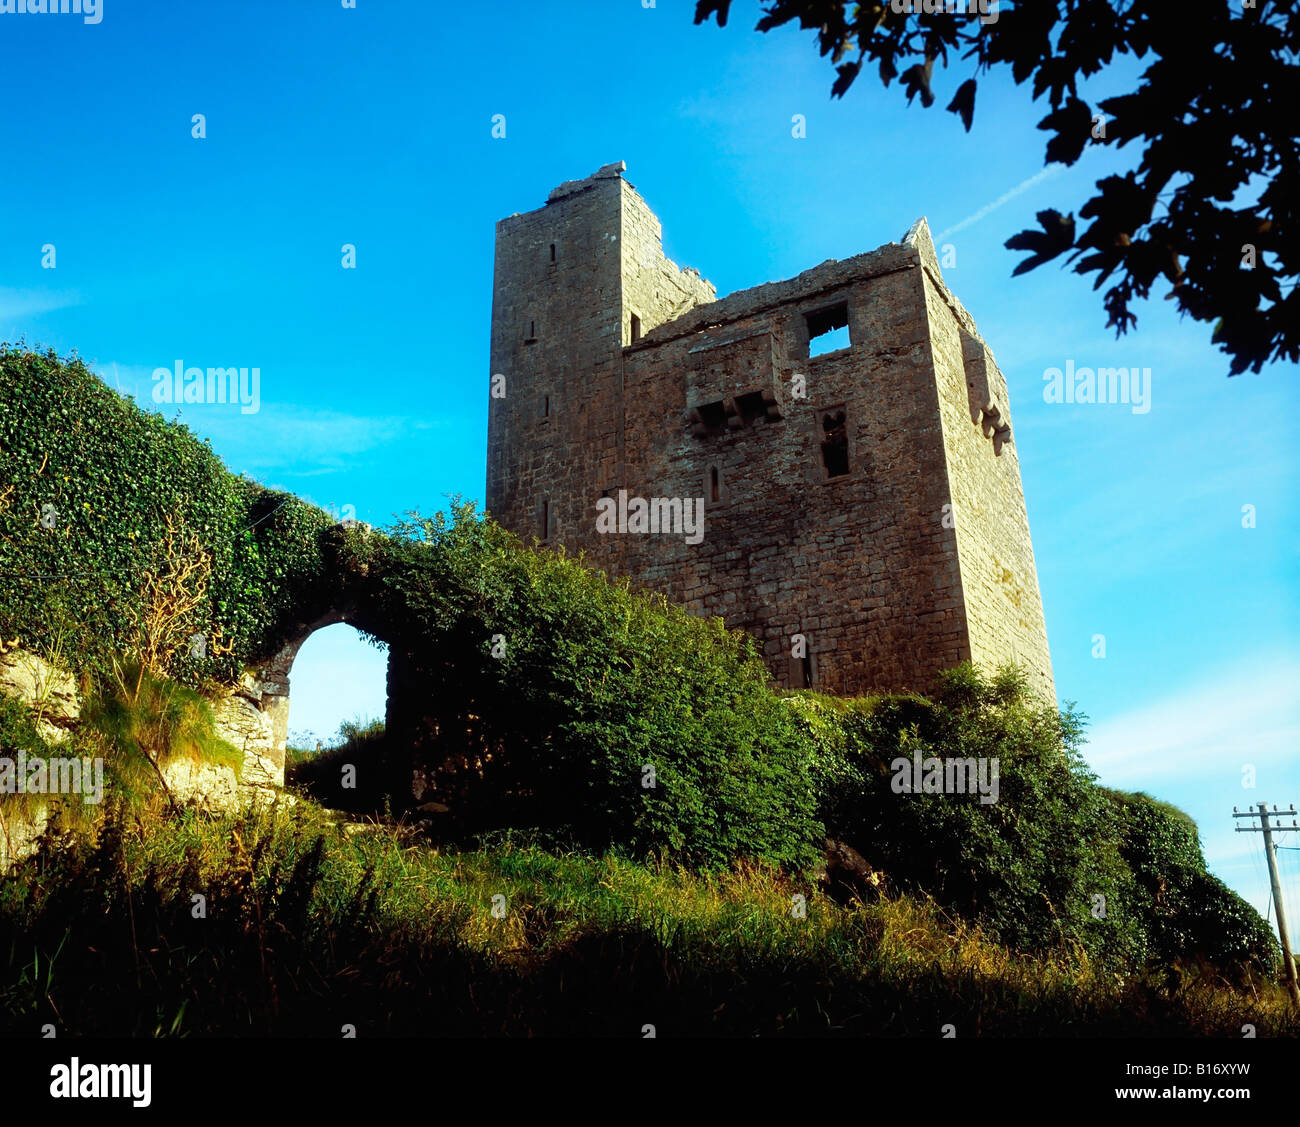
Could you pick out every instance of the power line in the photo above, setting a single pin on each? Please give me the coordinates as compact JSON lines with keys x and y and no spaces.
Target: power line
{"x":1270,"y":855}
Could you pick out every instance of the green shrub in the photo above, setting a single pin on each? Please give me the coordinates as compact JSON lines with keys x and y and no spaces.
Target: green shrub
{"x":1027,"y":867}
{"x":18,"y":731}
{"x":1188,"y":912}
{"x":113,"y":473}
{"x":548,"y":694}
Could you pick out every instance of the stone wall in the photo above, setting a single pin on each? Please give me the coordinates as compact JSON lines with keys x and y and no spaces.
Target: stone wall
{"x":1004,"y":609}
{"x":245,"y":718}
{"x":50,"y":693}
{"x":915,"y":557}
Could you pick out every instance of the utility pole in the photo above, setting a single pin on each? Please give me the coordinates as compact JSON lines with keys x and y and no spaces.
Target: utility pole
{"x":1270,"y":853}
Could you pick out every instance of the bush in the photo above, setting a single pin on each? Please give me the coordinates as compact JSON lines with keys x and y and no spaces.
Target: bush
{"x":1188,"y":912}
{"x":107,"y":476}
{"x":553,"y":701}
{"x":1027,"y":867}
{"x":1031,"y":867}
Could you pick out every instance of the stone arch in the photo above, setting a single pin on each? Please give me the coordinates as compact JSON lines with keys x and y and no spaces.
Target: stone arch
{"x":255,"y":715}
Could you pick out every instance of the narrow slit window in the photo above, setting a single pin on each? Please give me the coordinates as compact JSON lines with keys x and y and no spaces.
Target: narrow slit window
{"x":806,"y":670}
{"x":713,"y":484}
{"x":636,"y":328}
{"x":532,"y":330}
{"x":546,"y":406}
{"x":552,"y":252}
{"x":828,"y":329}
{"x":835,"y":443}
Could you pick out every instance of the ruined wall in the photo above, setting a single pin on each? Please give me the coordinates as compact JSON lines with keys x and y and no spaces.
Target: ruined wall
{"x":653,"y":289}
{"x":859,"y":563}
{"x":1004,"y":608}
{"x":719,"y":400}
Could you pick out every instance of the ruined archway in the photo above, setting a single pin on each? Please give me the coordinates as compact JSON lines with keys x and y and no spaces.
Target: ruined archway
{"x":338,"y":685}
{"x":255,"y":716}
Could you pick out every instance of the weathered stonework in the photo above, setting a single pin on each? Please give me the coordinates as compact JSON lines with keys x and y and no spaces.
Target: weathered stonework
{"x":623,"y":372}
{"x":49,"y":692}
{"x":244,"y":718}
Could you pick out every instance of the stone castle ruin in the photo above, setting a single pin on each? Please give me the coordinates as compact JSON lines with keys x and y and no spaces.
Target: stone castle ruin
{"x":862,"y":512}
{"x":858,"y":511}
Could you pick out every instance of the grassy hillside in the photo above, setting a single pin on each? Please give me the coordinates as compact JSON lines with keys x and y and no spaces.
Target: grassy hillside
{"x":305,"y":928}
{"x":634,"y":747}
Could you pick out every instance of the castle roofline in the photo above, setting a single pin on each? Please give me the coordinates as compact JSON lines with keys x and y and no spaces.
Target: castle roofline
{"x":612,"y":171}
{"x":830,"y":275}
{"x":916,"y":250}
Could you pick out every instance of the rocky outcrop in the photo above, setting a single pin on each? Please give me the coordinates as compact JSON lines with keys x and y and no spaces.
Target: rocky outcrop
{"x":19,"y":834}
{"x":245,"y":717}
{"x":206,"y":786}
{"x":848,"y":876}
{"x":50,"y":692}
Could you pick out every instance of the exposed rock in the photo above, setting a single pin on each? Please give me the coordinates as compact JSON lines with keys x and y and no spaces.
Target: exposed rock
{"x":206,"y":786}
{"x":50,"y":692}
{"x":848,"y":875}
{"x":19,"y":833}
{"x":241,"y":722}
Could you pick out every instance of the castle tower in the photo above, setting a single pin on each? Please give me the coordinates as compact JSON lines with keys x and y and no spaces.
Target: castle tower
{"x":862,"y":508}
{"x":575,"y":282}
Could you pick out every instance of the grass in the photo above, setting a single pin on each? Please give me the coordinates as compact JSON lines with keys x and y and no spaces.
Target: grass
{"x":305,"y":924}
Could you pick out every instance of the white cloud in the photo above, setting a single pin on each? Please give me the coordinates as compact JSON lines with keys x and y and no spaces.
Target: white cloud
{"x":1249,"y":713}
{"x":19,"y":305}
{"x":282,"y":438}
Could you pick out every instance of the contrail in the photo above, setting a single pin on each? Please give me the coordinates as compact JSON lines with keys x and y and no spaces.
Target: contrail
{"x":997,"y":203}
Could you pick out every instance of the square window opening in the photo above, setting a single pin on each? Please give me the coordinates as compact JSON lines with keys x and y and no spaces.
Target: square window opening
{"x":712,"y":419}
{"x":828,"y":329}
{"x":751,"y":407}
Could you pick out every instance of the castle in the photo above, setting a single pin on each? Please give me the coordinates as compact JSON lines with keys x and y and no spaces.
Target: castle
{"x":860,"y":509}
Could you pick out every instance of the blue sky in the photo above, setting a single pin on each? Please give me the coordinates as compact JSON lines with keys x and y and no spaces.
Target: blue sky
{"x":372,"y":126}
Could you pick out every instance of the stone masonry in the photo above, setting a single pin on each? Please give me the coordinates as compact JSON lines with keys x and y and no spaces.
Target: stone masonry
{"x":863,"y":512}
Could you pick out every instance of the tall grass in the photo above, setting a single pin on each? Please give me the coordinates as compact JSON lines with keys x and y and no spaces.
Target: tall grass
{"x":305,"y":925}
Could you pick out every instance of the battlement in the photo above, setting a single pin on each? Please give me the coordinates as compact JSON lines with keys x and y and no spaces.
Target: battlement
{"x":862,"y":509}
